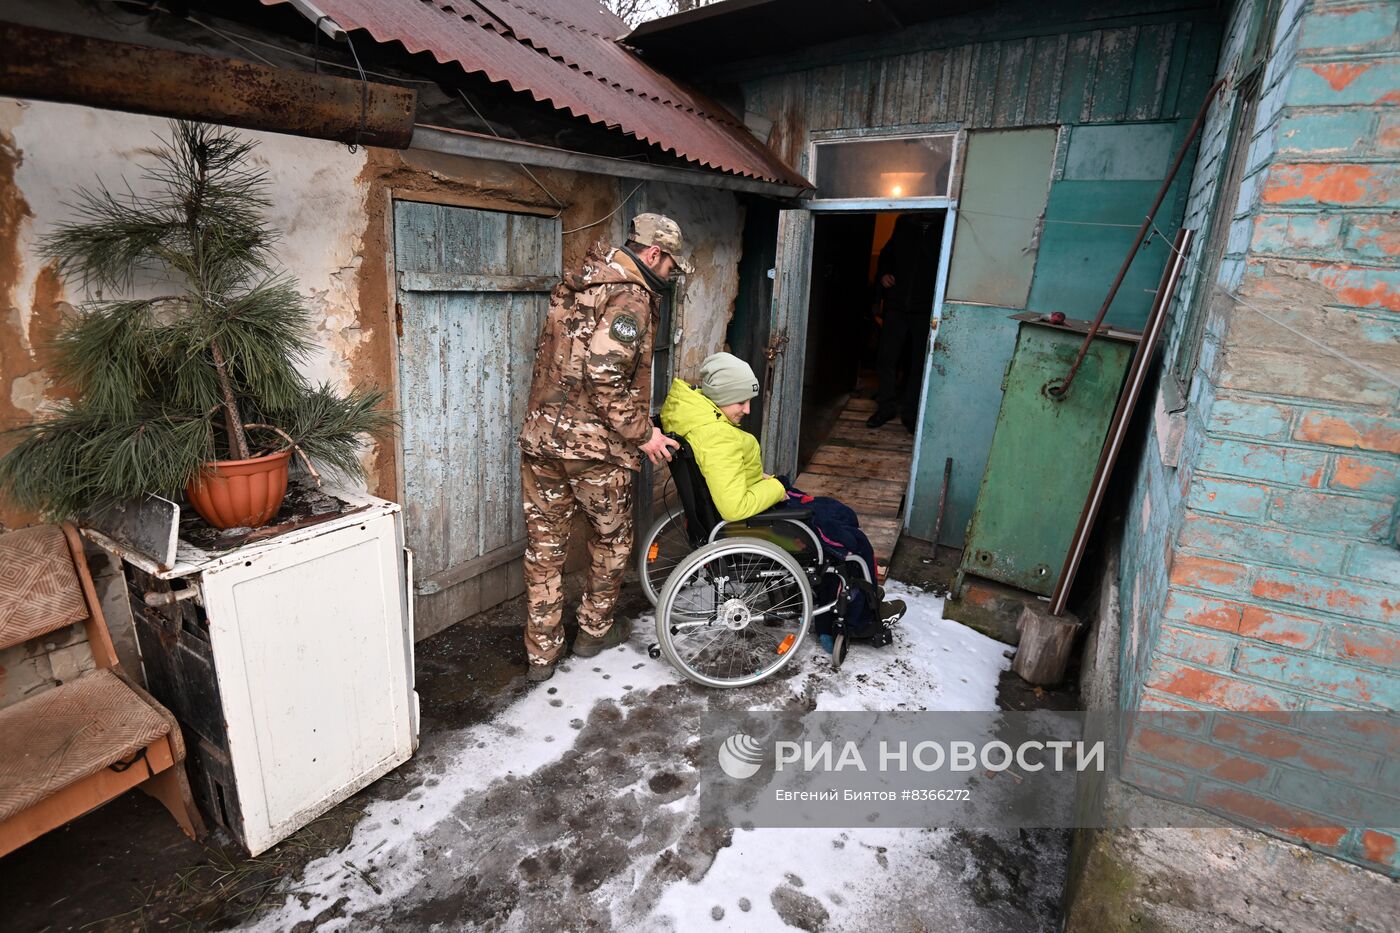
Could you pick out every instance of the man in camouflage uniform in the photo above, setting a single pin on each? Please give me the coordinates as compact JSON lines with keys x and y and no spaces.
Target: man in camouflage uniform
{"x":587,"y":425}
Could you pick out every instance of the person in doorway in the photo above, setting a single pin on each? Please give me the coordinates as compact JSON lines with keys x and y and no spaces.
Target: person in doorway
{"x":905,"y":277}
{"x":587,"y":426}
{"x":708,"y":416}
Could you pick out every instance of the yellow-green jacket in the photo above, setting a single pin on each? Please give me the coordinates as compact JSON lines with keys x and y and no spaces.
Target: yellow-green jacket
{"x":727,"y":455}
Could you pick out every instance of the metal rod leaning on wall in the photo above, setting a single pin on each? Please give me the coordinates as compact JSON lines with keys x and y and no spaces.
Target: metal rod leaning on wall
{"x":1122,"y":417}
{"x":1191,"y":134}
{"x":942,"y":503}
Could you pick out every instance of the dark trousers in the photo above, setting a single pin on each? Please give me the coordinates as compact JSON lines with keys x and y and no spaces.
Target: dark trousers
{"x":903,"y":340}
{"x":841,"y":534}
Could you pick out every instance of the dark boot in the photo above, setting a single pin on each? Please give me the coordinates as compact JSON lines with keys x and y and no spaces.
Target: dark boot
{"x":539,"y":673}
{"x":586,"y":645}
{"x":892,"y":610}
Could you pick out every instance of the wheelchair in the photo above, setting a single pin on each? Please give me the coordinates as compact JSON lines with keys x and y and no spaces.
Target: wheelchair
{"x":735,"y":600}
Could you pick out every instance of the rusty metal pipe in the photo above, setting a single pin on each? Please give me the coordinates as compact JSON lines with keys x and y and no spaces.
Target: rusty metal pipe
{"x":1062,"y":390}
{"x":40,"y":64}
{"x":1138,"y":371}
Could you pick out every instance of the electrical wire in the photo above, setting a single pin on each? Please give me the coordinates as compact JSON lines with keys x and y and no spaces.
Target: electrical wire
{"x":225,"y":36}
{"x":521,"y":165}
{"x":609,"y":215}
{"x":364,"y":86}
{"x":1196,"y":269}
{"x":237,"y":39}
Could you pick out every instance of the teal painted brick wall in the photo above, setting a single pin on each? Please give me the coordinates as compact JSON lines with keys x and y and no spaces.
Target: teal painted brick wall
{"x":1276,"y":532}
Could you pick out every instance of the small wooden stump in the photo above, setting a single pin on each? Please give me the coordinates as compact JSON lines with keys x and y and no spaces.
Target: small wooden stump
{"x":1046,"y":642}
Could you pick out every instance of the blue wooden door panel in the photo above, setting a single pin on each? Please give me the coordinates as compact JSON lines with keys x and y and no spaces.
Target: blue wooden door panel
{"x":473,"y":290}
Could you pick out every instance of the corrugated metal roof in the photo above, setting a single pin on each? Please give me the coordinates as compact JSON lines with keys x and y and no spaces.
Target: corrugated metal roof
{"x":565,"y":53}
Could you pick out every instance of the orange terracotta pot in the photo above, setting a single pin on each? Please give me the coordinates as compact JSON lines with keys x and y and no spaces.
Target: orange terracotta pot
{"x":240,"y":493}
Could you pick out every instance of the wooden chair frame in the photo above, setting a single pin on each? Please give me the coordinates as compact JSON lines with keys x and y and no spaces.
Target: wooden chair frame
{"x":158,"y":768}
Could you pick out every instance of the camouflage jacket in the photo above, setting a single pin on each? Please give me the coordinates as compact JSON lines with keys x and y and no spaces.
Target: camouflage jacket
{"x":590,"y":397}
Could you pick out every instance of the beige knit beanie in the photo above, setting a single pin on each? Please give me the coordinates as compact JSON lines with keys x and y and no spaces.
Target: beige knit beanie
{"x":726,"y":379}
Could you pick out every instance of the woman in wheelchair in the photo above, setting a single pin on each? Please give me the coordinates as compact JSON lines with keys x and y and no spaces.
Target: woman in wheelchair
{"x":707,"y":419}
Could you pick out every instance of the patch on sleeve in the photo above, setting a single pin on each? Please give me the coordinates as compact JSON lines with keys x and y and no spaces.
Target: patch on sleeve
{"x":625,"y":329}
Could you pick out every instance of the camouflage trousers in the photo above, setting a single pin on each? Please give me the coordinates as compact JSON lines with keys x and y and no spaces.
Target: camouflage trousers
{"x":553,"y":490}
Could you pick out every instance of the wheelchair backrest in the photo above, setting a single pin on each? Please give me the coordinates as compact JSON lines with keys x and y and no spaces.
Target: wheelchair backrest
{"x":701,"y":516}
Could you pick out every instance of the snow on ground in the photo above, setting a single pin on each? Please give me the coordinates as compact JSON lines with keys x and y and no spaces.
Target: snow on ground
{"x":938,"y":665}
{"x":530,"y":733}
{"x":856,"y":878}
{"x":572,"y":808}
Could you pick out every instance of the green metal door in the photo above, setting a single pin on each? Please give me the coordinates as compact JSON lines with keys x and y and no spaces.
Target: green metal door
{"x":1044,"y":452}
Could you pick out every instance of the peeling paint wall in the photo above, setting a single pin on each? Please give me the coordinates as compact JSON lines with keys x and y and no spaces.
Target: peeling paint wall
{"x":713,"y":228}
{"x":48,"y":151}
{"x":1122,"y":82}
{"x":1260,"y":566}
{"x":333,"y":208}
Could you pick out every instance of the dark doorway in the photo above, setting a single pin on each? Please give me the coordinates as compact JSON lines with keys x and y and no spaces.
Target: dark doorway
{"x":748,"y":332}
{"x":849,"y":308}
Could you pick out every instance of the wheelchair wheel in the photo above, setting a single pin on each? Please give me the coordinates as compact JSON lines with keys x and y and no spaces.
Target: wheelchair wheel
{"x":840,"y":645}
{"x":733,"y":613}
{"x":664,"y":546}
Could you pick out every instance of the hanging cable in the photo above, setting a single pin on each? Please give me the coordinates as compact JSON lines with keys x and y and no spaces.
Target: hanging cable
{"x":487,"y":123}
{"x":610,"y":213}
{"x":238,"y":38}
{"x":364,"y":85}
{"x":1195,"y":270}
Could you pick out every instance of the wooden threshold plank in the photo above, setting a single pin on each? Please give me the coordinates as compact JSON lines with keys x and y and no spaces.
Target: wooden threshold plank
{"x":853,"y":434}
{"x":868,"y":470}
{"x":858,"y":461}
{"x":898,"y":477}
{"x":856,"y":486}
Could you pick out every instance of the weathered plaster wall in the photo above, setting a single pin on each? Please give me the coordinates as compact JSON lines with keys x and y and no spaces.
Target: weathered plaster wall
{"x":713,"y":227}
{"x":334,"y":210}
{"x":1261,"y":570}
{"x":47,"y":151}
{"x":53,"y":149}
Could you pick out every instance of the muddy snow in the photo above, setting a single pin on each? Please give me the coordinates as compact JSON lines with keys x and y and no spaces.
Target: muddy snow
{"x":573,"y":808}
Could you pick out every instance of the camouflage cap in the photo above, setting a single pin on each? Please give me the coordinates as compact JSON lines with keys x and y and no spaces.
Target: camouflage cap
{"x":662,"y":232}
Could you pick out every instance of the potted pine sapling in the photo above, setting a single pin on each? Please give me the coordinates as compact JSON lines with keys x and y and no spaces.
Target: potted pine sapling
{"x":189,"y":382}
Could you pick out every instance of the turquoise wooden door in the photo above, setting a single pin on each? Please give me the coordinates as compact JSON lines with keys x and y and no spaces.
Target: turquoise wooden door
{"x":473,"y":288}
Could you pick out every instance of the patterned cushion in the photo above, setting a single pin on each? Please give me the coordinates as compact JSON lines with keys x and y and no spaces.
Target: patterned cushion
{"x":39,"y":589}
{"x":62,"y":735}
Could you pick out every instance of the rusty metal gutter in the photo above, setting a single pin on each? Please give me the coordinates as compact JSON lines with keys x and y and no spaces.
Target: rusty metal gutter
{"x":479,"y":146}
{"x":40,"y":64}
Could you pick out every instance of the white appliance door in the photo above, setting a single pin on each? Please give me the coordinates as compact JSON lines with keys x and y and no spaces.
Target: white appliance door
{"x":309,"y":648}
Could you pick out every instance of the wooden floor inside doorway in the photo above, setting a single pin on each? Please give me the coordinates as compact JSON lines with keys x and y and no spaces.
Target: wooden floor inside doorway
{"x":868,"y":469}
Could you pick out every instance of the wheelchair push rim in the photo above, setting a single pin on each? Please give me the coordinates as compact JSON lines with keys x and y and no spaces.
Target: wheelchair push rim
{"x":734,"y":613}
